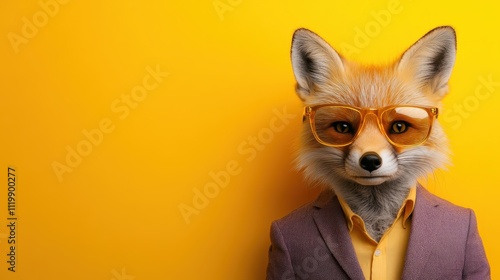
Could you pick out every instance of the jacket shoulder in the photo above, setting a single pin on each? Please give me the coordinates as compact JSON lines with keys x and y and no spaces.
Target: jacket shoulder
{"x":297,"y":216}
{"x":303,"y":216}
{"x":445,"y":206}
{"x":451,"y":239}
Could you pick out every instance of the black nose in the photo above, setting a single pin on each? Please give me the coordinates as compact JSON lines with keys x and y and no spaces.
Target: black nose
{"x":370,"y":161}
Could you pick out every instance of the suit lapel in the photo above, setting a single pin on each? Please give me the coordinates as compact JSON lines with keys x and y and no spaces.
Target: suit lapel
{"x":331,"y":223}
{"x":424,"y":218}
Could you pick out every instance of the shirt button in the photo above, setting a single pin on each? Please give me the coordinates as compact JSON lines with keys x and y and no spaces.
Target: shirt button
{"x":378,"y":252}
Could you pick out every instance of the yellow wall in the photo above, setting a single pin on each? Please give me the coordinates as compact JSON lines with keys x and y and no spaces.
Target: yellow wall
{"x":116,"y":115}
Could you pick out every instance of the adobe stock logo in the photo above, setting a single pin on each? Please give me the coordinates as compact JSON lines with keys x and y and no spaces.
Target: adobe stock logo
{"x":249,"y":149}
{"x":31,"y":26}
{"x":223,"y":6}
{"x":122,"y":275}
{"x":471,"y":103}
{"x":372,"y":28}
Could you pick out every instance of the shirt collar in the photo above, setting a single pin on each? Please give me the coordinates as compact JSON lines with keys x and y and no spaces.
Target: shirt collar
{"x":406,"y":209}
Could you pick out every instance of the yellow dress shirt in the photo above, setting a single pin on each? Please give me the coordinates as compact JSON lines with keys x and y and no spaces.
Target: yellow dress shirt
{"x":385,"y":259}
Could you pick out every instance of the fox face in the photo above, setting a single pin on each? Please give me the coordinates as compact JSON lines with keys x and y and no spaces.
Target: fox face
{"x":370,"y":120}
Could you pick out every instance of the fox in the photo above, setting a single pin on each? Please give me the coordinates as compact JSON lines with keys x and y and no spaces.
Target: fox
{"x":370,"y":133}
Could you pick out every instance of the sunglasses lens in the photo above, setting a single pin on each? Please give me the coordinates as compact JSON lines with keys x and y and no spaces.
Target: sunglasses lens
{"x":406,"y":125}
{"x":336,"y":125}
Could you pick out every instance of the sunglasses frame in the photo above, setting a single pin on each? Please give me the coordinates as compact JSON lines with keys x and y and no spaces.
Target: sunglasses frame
{"x":310,"y":111}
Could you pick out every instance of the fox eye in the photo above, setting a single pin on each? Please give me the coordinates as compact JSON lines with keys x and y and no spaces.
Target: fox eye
{"x":399,"y":127}
{"x":342,"y":127}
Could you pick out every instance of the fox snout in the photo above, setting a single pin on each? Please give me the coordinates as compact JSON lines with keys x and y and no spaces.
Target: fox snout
{"x":370,"y":159}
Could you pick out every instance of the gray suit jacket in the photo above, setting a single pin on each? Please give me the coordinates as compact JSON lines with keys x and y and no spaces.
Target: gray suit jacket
{"x":313,"y":242}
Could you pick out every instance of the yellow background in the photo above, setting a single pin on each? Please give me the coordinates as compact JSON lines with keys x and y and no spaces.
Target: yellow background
{"x":116,"y":214}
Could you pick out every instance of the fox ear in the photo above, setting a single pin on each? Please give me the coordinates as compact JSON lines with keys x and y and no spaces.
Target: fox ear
{"x":314,"y":62}
{"x":430,"y":60}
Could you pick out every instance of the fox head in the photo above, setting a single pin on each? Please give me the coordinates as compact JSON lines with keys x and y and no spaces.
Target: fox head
{"x":418,"y":78}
